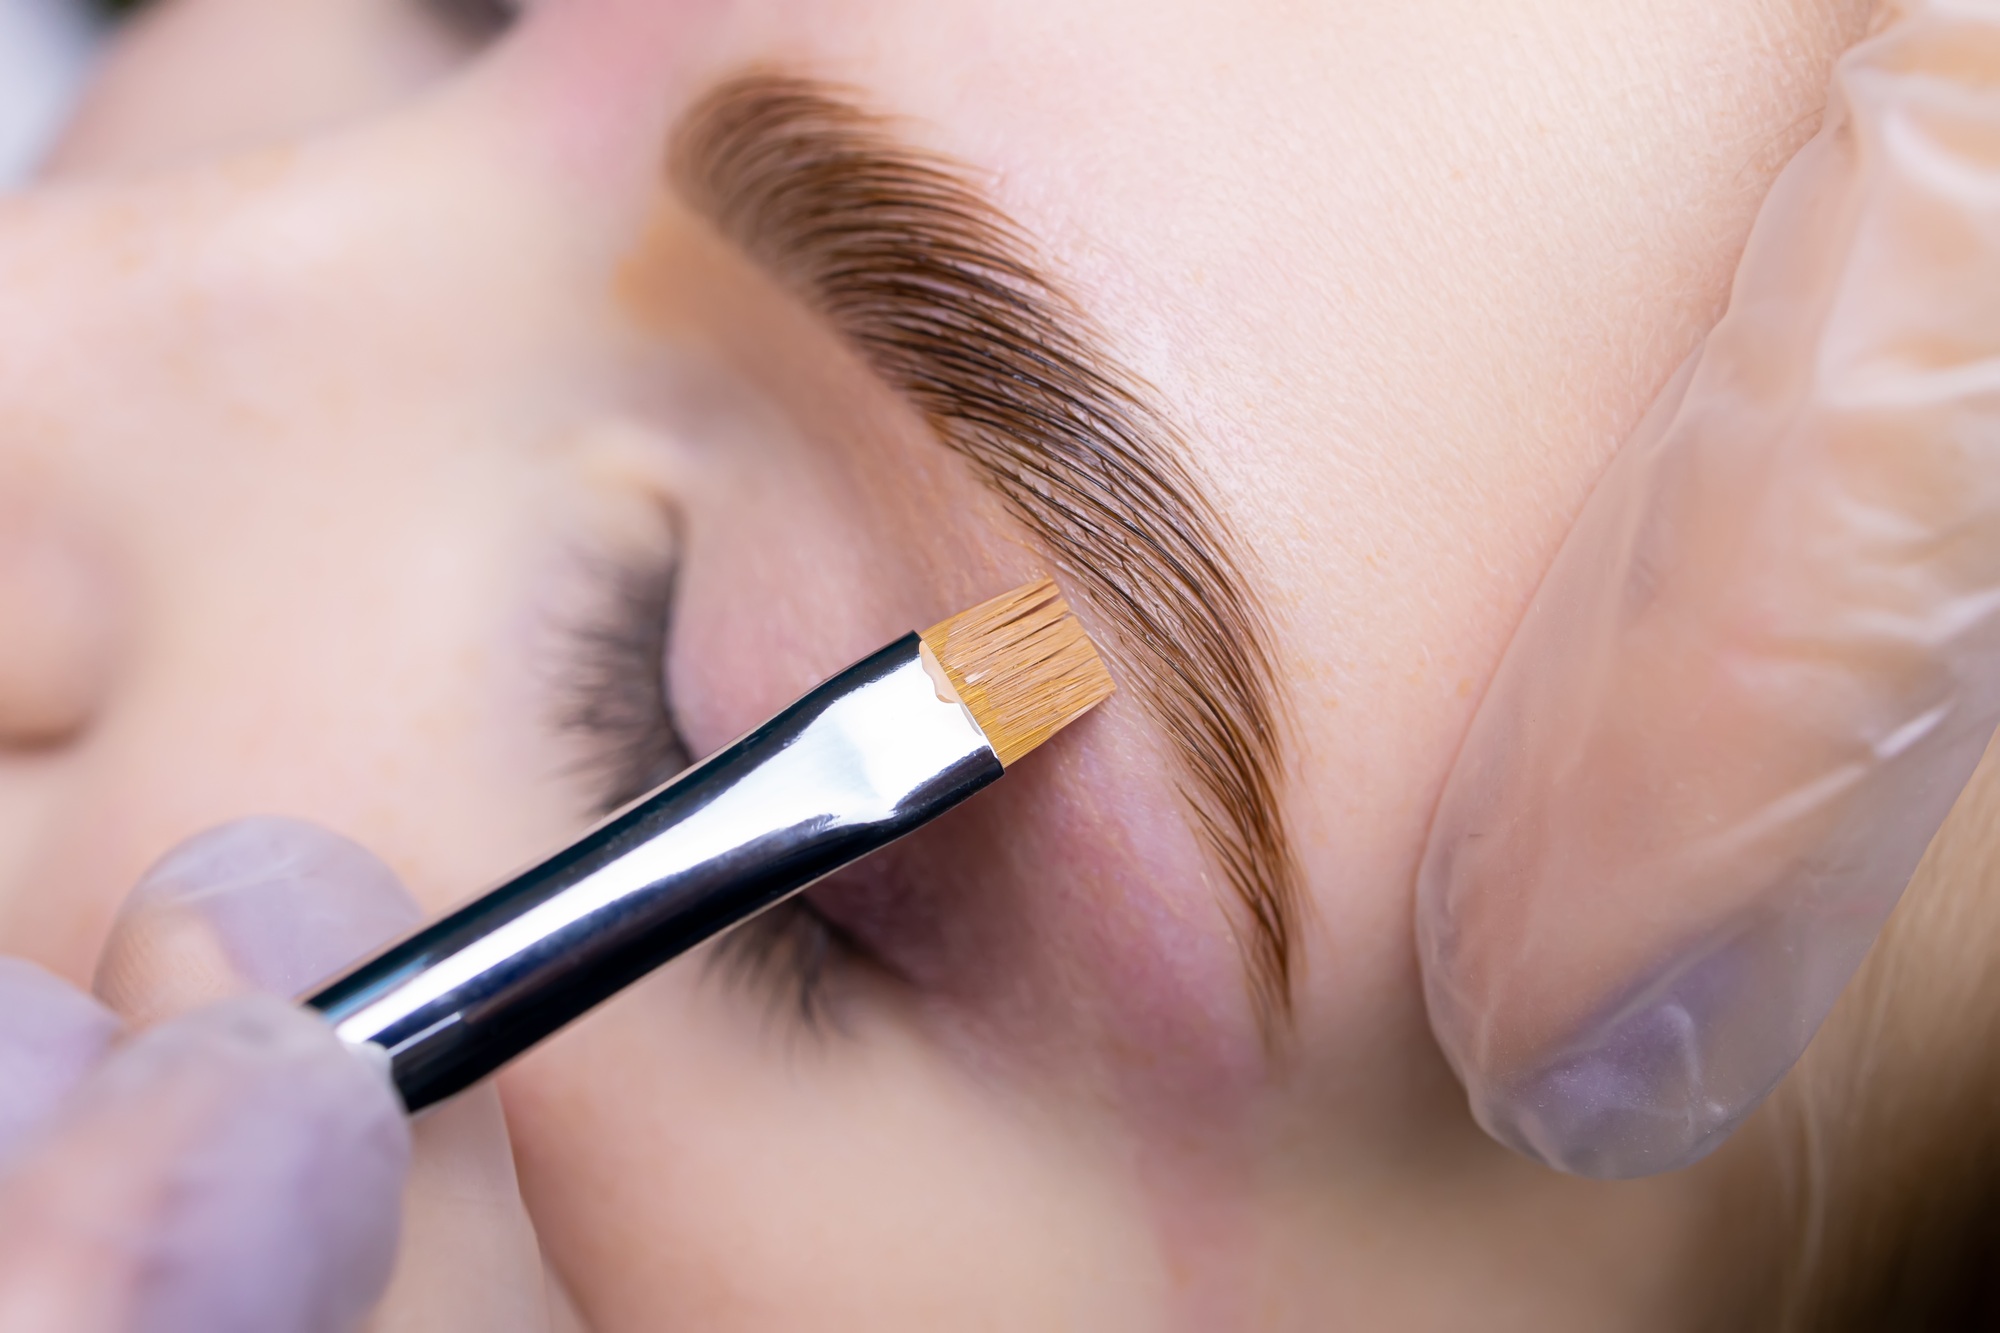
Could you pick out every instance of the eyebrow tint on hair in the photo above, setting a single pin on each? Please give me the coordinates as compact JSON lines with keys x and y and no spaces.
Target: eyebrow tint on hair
{"x":941,"y":293}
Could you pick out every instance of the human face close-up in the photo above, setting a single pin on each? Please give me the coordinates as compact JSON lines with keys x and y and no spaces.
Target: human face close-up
{"x":443,"y":425}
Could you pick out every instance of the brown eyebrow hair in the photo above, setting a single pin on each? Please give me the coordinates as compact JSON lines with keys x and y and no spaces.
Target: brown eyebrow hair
{"x":941,"y":293}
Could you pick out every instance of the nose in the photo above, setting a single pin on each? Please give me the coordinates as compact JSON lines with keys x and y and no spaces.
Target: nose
{"x":59,"y":625}
{"x":237,"y":406}
{"x":252,"y":395}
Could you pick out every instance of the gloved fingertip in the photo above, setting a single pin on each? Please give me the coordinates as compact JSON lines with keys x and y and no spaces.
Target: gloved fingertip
{"x":290,"y":902}
{"x":1619,"y":1108}
{"x":51,"y":1034}
{"x":1657,"y":1081}
{"x":283,"y":1195}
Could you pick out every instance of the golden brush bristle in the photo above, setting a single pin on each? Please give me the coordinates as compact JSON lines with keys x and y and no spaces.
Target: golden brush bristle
{"x":1023,"y":666}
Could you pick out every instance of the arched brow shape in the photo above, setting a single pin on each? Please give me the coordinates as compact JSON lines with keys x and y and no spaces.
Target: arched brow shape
{"x":941,"y":293}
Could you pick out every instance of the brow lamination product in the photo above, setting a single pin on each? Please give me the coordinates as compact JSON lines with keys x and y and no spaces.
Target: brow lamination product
{"x":879,"y":750}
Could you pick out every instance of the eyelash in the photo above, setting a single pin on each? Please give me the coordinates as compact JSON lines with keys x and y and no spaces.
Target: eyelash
{"x":478,"y":20}
{"x":474,"y":18}
{"x":618,"y":700}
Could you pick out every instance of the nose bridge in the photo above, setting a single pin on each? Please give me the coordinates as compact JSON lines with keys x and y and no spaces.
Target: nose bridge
{"x":371,"y":269}
{"x":599,"y":82}
{"x":483,"y":223}
{"x":204,"y":370}
{"x":246,"y":376}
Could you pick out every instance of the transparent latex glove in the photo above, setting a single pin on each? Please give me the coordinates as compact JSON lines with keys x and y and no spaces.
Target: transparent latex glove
{"x":277,"y":905}
{"x":233,"y":1170}
{"x":1764,"y":662}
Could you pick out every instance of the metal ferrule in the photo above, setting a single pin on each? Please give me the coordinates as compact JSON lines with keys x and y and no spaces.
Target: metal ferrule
{"x":867,"y":757}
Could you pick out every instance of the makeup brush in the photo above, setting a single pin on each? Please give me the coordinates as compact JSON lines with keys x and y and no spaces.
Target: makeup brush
{"x":876,"y":752}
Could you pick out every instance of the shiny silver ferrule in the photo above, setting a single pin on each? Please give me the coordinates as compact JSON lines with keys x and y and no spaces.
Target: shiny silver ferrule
{"x":867,"y":757}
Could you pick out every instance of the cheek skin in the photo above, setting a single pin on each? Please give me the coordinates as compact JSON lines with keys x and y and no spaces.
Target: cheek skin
{"x":693,"y":1163}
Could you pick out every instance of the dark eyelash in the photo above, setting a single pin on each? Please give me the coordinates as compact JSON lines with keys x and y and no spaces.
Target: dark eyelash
{"x":475,"y":20}
{"x":619,"y":702}
{"x":617,"y":698}
{"x":791,"y":953}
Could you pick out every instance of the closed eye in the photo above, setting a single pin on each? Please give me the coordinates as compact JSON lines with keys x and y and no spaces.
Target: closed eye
{"x":613,"y":684}
{"x":618,"y":702}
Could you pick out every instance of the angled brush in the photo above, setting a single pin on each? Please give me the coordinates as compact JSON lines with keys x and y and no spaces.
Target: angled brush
{"x":879,"y":750}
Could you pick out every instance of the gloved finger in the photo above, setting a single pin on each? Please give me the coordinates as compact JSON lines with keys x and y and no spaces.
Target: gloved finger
{"x":279,"y":905}
{"x":50,"y":1036}
{"x":261,"y":904}
{"x":1765,"y":661}
{"x":236,"y":1170}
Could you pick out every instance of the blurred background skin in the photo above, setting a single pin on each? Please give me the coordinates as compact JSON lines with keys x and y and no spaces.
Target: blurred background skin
{"x":316,"y":370}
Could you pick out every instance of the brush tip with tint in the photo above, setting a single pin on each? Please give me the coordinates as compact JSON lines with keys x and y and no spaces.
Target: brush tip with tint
{"x":1022,"y":665}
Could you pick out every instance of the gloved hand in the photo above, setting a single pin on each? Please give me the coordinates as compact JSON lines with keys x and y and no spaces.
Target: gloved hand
{"x":1765,"y":661}
{"x":233,"y":1166}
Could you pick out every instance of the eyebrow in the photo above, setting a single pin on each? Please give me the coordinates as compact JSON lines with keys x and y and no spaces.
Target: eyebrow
{"x":942,"y":294}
